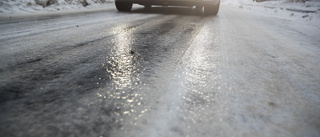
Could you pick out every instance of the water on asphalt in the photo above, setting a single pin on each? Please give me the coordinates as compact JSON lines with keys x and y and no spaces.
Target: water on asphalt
{"x":165,"y":72}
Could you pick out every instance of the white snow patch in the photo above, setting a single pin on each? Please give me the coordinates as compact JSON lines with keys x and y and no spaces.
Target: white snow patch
{"x":307,"y":13}
{"x":31,"y":6}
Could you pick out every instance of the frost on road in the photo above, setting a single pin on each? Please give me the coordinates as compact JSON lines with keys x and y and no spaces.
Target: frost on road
{"x":162,"y":73}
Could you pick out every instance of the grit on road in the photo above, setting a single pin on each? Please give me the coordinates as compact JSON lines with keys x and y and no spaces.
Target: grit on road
{"x":165,"y":72}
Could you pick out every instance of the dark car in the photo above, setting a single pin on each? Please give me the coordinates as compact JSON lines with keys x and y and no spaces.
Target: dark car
{"x":211,"y":7}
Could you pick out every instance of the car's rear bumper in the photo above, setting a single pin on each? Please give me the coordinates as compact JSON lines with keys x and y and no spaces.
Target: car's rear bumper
{"x":173,"y":2}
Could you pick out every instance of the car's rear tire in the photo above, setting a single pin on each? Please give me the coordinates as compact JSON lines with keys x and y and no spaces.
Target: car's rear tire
{"x":211,"y":9}
{"x":123,"y":6}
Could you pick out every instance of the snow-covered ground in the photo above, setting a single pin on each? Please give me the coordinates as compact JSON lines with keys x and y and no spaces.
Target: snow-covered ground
{"x":308,"y":11}
{"x":306,"y":16}
{"x":280,"y":8}
{"x":311,"y":7}
{"x":47,"y":6}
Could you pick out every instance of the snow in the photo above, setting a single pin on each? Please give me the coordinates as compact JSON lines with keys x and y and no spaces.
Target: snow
{"x":42,"y":6}
{"x":279,"y":8}
{"x":306,"y":13}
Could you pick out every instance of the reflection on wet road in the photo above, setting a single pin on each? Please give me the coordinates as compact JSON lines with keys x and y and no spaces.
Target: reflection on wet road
{"x":121,"y":63}
{"x":158,"y":73}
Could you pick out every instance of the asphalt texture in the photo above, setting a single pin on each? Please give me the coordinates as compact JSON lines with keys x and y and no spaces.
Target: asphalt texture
{"x":168,"y":71}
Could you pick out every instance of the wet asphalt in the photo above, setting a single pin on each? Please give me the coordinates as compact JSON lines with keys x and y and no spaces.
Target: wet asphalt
{"x":164,"y":72}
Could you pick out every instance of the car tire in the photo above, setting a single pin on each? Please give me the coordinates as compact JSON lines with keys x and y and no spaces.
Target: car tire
{"x":123,"y":6}
{"x":212,"y":9}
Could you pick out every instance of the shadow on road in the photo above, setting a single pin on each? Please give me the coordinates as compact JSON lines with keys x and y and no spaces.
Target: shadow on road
{"x":185,"y":11}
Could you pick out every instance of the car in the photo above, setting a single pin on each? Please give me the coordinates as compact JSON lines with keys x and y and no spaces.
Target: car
{"x":211,"y":7}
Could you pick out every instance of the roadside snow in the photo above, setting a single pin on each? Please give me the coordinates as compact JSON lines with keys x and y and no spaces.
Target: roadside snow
{"x":309,"y":6}
{"x":280,"y":8}
{"x":308,"y":12}
{"x":47,"y":6}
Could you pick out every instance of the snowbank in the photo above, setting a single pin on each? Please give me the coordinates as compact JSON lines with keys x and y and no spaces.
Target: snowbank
{"x":305,"y":11}
{"x":308,"y":6}
{"x":34,"y":6}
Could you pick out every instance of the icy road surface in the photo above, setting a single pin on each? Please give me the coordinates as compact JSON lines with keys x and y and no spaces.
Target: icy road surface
{"x":168,"y":72}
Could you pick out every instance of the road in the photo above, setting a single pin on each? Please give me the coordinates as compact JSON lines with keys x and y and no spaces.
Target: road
{"x":167,"y":72}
